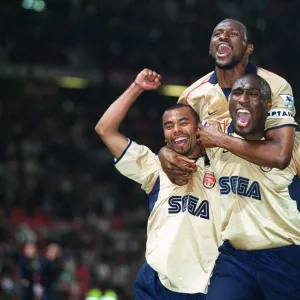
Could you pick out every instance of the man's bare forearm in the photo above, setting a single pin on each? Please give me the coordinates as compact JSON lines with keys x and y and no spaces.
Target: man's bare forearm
{"x":275,"y":153}
{"x":115,"y":114}
{"x":108,"y":126}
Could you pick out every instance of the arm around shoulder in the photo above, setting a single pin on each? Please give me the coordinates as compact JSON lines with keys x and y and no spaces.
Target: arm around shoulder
{"x":274,"y":152}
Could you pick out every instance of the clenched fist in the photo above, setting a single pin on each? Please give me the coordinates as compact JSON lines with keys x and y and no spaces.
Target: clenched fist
{"x":148,"y":80}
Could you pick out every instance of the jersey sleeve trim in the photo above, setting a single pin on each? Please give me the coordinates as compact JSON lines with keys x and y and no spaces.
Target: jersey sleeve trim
{"x":125,"y":150}
{"x":280,"y":126}
{"x":154,"y":185}
{"x":187,"y":96}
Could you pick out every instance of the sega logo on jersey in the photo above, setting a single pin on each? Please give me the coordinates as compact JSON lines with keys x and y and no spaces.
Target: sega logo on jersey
{"x":240,"y":186}
{"x":179,"y":204}
{"x":288,"y":100}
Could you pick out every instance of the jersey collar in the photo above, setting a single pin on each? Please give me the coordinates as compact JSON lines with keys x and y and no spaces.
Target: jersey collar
{"x":250,"y":68}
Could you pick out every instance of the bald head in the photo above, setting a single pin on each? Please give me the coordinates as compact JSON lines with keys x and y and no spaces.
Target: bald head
{"x":239,"y":25}
{"x":230,"y":45}
{"x":253,"y":81}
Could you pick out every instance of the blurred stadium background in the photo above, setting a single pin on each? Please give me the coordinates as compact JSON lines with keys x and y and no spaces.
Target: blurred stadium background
{"x":62,"y":62}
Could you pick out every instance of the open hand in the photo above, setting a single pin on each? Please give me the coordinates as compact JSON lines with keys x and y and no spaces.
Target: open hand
{"x":148,"y":80}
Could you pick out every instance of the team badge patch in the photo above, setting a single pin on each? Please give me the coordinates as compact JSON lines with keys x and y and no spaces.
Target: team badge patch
{"x":209,"y":180}
{"x":288,"y":100}
{"x":266,"y":169}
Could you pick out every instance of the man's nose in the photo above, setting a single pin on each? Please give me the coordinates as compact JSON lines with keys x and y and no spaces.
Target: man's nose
{"x":177,"y":128}
{"x":224,"y":35}
{"x":244,"y":98}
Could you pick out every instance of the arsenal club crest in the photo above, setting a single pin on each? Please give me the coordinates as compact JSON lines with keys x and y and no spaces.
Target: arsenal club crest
{"x":266,"y":169}
{"x":209,"y":180}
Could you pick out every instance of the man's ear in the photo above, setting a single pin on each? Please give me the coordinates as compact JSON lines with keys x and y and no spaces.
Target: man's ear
{"x":268,"y":105}
{"x":250,"y":49}
{"x":198,"y":130}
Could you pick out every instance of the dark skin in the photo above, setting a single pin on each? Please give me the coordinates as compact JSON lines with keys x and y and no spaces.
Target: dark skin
{"x":274,"y":152}
{"x":246,"y":96}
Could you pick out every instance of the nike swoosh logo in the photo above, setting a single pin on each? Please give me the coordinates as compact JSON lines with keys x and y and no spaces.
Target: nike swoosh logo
{"x":210,"y":113}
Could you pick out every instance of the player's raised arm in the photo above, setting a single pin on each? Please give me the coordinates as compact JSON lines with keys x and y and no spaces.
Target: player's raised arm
{"x":108,"y":125}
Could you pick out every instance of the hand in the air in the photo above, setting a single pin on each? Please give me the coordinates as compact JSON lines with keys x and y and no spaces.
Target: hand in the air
{"x":148,"y":80}
{"x":209,"y":135}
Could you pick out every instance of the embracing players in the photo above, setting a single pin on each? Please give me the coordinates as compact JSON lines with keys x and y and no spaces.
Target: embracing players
{"x":230,"y":47}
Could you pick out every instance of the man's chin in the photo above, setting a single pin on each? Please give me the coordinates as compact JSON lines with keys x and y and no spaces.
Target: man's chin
{"x":225,"y":65}
{"x":182,"y":151}
{"x":242,"y":131}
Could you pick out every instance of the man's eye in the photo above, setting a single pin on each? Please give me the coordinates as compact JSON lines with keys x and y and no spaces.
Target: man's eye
{"x":234,"y":33}
{"x":237,"y":93}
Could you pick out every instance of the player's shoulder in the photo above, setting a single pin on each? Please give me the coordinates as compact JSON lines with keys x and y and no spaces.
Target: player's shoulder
{"x":272,"y":78}
{"x":134,"y":151}
{"x":196,"y":85}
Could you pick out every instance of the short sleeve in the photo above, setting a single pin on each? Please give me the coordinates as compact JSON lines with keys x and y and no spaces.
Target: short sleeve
{"x":283,"y":110}
{"x":140,"y":164}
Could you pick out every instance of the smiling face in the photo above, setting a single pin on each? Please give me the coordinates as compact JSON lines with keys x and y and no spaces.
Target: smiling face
{"x":228,"y":44}
{"x":249,"y":102}
{"x":180,"y":127}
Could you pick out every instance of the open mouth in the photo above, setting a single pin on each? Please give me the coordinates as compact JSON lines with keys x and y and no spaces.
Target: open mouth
{"x":223,"y":50}
{"x":180,"y":141}
{"x":243,"y":117}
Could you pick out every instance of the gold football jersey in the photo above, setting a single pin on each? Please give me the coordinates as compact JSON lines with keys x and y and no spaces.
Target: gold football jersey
{"x":260,"y":205}
{"x":210,"y":101}
{"x":183,"y":232}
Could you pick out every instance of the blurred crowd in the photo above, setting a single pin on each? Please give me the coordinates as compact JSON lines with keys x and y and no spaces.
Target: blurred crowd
{"x":170,"y":36}
{"x":58,"y":184}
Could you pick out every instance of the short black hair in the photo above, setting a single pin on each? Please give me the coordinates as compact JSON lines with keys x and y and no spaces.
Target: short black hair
{"x":265,"y":88}
{"x":181,"y":105}
{"x":247,"y":33}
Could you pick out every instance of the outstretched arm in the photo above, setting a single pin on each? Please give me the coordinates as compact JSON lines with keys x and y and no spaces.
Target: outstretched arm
{"x":108,"y":126}
{"x":274,"y":152}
